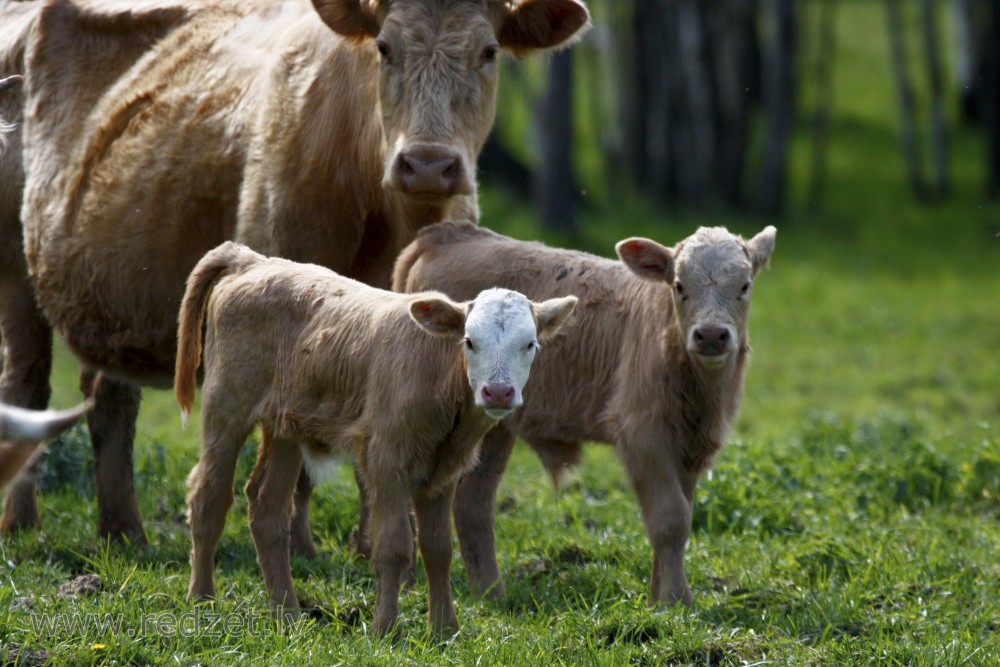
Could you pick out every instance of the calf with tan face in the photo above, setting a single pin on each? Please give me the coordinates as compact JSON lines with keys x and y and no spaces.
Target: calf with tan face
{"x":653,"y":364}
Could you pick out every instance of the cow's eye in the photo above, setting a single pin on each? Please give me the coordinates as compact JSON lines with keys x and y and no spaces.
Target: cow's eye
{"x":489,"y":54}
{"x":468,"y":344}
{"x":532,"y":345}
{"x":745,"y":290}
{"x":679,"y":288}
{"x":384,"y":51}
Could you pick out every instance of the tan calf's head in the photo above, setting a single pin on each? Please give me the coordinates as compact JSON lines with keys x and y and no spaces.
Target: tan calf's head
{"x":712,"y":275}
{"x":500,"y":331}
{"x":439,"y":71}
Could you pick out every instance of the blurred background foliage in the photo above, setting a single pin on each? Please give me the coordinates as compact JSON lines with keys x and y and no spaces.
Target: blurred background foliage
{"x":856,"y":119}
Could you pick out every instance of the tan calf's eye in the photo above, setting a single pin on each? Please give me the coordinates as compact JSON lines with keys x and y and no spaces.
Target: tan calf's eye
{"x":489,"y":54}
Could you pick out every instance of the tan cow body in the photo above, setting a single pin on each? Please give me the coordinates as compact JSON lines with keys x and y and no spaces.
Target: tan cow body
{"x":329,"y":365}
{"x":152,"y":131}
{"x":654,"y":365}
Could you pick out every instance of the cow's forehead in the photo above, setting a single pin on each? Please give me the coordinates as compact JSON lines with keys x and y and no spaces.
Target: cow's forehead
{"x":500,"y":313}
{"x":423,"y":23}
{"x":713,"y":254}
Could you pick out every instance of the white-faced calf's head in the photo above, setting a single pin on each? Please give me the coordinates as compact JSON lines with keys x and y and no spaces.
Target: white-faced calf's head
{"x":500,"y":331}
{"x":438,"y":63}
{"x":712,"y":275}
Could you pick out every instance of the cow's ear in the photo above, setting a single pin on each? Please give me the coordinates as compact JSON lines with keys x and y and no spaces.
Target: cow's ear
{"x":439,"y":316}
{"x":541,"y":24}
{"x":647,"y":259}
{"x":551,"y":315}
{"x":761,"y":247}
{"x":353,"y":19}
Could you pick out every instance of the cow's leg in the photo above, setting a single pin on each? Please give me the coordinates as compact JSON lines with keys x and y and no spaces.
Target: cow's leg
{"x":27,"y":362}
{"x":112,"y":432}
{"x":665,"y":492}
{"x":210,"y":495}
{"x":434,"y":537}
{"x":301,"y":537}
{"x":475,"y":512}
{"x":270,"y":491}
{"x":392,"y":549}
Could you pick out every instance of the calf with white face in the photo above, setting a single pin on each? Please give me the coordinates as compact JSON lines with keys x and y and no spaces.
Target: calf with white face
{"x":327,"y":365}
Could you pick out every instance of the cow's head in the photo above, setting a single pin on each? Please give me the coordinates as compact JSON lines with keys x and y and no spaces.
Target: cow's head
{"x":500,"y":331}
{"x":439,"y":71}
{"x":712,"y":274}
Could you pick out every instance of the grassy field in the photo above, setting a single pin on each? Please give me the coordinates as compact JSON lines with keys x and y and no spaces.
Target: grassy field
{"x":854,"y":518}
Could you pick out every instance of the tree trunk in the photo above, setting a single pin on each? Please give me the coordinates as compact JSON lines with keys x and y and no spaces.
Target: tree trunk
{"x":907,"y":123}
{"x":990,"y":106}
{"x":779,"y":102}
{"x":554,"y":192}
{"x":499,"y":166}
{"x":938,"y":124}
{"x":737,"y":76}
{"x":826,"y":43}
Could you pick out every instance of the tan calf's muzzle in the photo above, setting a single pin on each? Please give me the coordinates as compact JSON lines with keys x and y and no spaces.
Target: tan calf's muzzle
{"x":712,"y":340}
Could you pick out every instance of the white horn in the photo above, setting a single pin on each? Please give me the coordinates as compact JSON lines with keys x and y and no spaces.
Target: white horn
{"x":34,"y":425}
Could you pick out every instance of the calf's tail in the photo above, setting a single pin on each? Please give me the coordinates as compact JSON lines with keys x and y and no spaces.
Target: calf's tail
{"x":223,"y":259}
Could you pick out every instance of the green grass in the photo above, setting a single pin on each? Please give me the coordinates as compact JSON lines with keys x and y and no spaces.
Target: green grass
{"x":854,"y":518}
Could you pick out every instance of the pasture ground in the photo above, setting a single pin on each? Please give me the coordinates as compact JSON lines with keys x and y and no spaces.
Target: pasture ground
{"x":854,"y":519}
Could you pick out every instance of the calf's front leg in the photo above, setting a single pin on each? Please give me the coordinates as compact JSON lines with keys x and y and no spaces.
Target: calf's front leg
{"x":665,"y":493}
{"x":475,"y":512}
{"x":392,"y":548}
{"x":434,"y":538}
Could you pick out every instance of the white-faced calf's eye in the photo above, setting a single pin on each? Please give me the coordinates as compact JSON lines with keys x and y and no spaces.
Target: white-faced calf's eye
{"x":468,"y":344}
{"x":679,"y":288}
{"x":745,"y":290}
{"x":532,"y":345}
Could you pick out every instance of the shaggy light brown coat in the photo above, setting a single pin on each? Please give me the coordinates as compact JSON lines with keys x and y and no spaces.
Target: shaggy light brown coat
{"x":654,"y":365}
{"x":329,"y":365}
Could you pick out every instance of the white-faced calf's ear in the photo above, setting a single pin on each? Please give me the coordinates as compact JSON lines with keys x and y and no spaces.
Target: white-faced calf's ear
{"x":647,"y":259}
{"x":551,"y":315}
{"x":439,"y":316}
{"x":761,"y":246}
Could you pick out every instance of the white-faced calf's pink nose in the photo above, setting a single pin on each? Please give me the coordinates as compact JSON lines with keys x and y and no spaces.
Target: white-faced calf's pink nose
{"x":498,"y":395}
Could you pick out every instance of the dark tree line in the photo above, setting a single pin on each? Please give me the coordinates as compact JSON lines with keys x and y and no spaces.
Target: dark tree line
{"x":698,"y":100}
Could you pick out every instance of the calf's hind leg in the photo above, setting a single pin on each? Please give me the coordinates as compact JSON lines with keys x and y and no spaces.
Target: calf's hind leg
{"x":270,"y":492}
{"x":475,"y":512}
{"x":211,"y":495}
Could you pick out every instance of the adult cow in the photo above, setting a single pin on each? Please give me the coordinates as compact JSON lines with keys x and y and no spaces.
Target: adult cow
{"x":325,"y":133}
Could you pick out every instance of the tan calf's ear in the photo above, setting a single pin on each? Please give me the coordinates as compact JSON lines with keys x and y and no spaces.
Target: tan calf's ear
{"x":541,"y":24}
{"x":353,"y":19}
{"x":647,"y":259}
{"x":439,"y":316}
{"x":551,"y":315}
{"x":761,"y":247}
